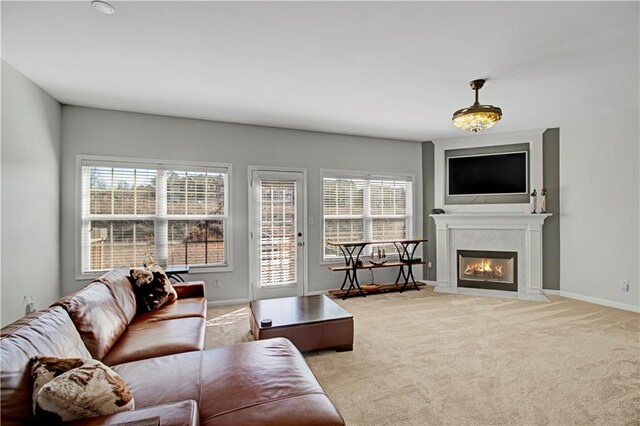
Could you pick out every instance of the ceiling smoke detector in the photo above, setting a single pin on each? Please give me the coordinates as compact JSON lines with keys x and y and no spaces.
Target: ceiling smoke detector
{"x":103,"y":7}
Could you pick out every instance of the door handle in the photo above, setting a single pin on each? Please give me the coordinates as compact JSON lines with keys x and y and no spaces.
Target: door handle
{"x":300,"y":244}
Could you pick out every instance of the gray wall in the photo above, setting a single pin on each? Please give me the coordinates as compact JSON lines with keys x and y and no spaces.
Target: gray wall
{"x":30,"y":194}
{"x":112,"y":133}
{"x":551,"y":228}
{"x":428,"y":196}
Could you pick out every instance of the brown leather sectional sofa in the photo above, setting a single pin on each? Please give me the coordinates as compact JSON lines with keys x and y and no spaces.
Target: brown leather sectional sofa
{"x":160,"y":356}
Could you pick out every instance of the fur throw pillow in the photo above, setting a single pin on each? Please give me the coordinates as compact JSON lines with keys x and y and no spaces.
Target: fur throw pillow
{"x":46,"y":368}
{"x":152,"y":288}
{"x":89,"y":390}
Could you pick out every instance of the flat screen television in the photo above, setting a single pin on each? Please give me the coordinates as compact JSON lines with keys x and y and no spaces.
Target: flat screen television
{"x":488,"y":174}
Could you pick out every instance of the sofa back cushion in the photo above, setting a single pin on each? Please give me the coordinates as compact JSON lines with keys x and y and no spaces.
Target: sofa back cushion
{"x":50,"y":333}
{"x":97,"y":317}
{"x":120,"y":286}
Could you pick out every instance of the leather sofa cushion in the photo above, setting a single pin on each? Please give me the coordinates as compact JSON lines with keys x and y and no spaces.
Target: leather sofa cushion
{"x":189,"y":289}
{"x":183,"y":413}
{"x":265,"y":382}
{"x":97,"y":317}
{"x":49,"y":333}
{"x":144,"y":340}
{"x":117,"y":280}
{"x":181,"y":308}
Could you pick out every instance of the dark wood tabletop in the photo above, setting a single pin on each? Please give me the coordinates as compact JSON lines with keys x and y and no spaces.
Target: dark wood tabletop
{"x":177,"y":269}
{"x":364,"y":243}
{"x":288,"y":311}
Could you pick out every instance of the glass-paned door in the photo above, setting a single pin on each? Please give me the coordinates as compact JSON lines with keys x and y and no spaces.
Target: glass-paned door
{"x":277,"y":235}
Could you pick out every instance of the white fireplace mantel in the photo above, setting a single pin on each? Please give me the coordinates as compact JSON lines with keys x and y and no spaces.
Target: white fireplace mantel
{"x":519,"y":232}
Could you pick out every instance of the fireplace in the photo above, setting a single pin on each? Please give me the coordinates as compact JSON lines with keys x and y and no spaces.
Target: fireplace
{"x":493,"y":270}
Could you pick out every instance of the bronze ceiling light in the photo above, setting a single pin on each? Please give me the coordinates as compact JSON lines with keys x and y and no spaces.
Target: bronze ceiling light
{"x":477,"y":117}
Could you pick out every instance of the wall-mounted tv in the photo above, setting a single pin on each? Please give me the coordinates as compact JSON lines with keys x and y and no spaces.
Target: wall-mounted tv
{"x":488,"y":174}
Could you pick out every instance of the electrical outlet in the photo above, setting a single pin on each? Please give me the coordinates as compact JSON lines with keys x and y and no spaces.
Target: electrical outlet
{"x":624,"y":286}
{"x":216,"y":283}
{"x":29,"y":304}
{"x":429,"y":265}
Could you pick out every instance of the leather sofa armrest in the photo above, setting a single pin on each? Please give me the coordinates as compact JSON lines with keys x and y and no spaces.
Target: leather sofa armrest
{"x":189,"y":289}
{"x":184,"y":413}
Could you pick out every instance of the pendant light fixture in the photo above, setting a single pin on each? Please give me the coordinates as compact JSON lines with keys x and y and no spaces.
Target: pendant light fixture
{"x":477,"y":117}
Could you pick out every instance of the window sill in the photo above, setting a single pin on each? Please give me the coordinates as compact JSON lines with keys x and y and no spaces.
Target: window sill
{"x":192,"y":271}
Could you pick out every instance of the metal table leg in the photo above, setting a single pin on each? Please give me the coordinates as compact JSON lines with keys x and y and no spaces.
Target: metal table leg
{"x":348,"y":252}
{"x":406,"y":256}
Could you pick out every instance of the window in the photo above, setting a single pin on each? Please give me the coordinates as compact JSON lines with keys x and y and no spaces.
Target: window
{"x":177,"y":213}
{"x":365,"y":207}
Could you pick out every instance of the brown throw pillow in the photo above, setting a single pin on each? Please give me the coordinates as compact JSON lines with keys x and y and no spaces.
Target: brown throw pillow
{"x":158,"y":273}
{"x":90,"y":390}
{"x":46,"y":368}
{"x":152,"y":288}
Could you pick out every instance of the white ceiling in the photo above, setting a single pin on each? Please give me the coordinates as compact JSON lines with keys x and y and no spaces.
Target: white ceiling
{"x":385,"y":69}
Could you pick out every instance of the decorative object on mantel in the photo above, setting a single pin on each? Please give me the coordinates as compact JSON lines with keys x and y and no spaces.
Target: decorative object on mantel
{"x":437,"y":211}
{"x":534,"y":201}
{"x":543,"y":203}
{"x":477,"y":117}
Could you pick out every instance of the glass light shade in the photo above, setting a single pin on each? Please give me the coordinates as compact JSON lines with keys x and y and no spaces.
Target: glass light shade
{"x":477,"y":117}
{"x":103,"y":7}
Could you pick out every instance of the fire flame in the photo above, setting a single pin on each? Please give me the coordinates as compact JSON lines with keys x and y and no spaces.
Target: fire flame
{"x":484,"y":266}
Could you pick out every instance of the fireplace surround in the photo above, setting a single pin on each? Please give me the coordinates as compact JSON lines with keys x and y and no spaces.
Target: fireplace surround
{"x":488,"y":224}
{"x":519,"y":233}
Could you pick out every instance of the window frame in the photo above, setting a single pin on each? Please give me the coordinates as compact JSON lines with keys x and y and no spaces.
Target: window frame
{"x":148,"y":163}
{"x":366,"y":175}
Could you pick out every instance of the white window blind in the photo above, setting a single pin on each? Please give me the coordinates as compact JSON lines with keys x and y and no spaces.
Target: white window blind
{"x":357,"y":208}
{"x":278,"y":229}
{"x":177,"y":214}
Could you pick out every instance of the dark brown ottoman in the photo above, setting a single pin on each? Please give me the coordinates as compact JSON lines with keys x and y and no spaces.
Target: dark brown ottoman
{"x":310,"y":322}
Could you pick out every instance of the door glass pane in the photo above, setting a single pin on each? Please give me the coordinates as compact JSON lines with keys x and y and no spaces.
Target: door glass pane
{"x":278,"y":229}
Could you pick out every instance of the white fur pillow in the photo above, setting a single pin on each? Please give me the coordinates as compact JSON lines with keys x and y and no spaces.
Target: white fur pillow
{"x":90,"y":390}
{"x":46,"y":368}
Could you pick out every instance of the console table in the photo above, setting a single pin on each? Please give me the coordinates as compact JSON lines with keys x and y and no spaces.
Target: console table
{"x":176,"y":271}
{"x":352,"y":250}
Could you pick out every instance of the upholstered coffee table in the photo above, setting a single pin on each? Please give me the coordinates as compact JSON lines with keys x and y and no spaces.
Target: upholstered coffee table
{"x":310,"y":322}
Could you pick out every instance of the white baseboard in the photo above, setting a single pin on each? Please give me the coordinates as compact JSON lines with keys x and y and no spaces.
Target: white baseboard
{"x":315,"y":293}
{"x":492,"y":293}
{"x":227,"y":302}
{"x":247,"y":300}
{"x":596,"y":300}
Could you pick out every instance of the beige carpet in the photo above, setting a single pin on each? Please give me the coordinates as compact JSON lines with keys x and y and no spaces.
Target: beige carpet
{"x":227,"y":325}
{"x":431,"y":358}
